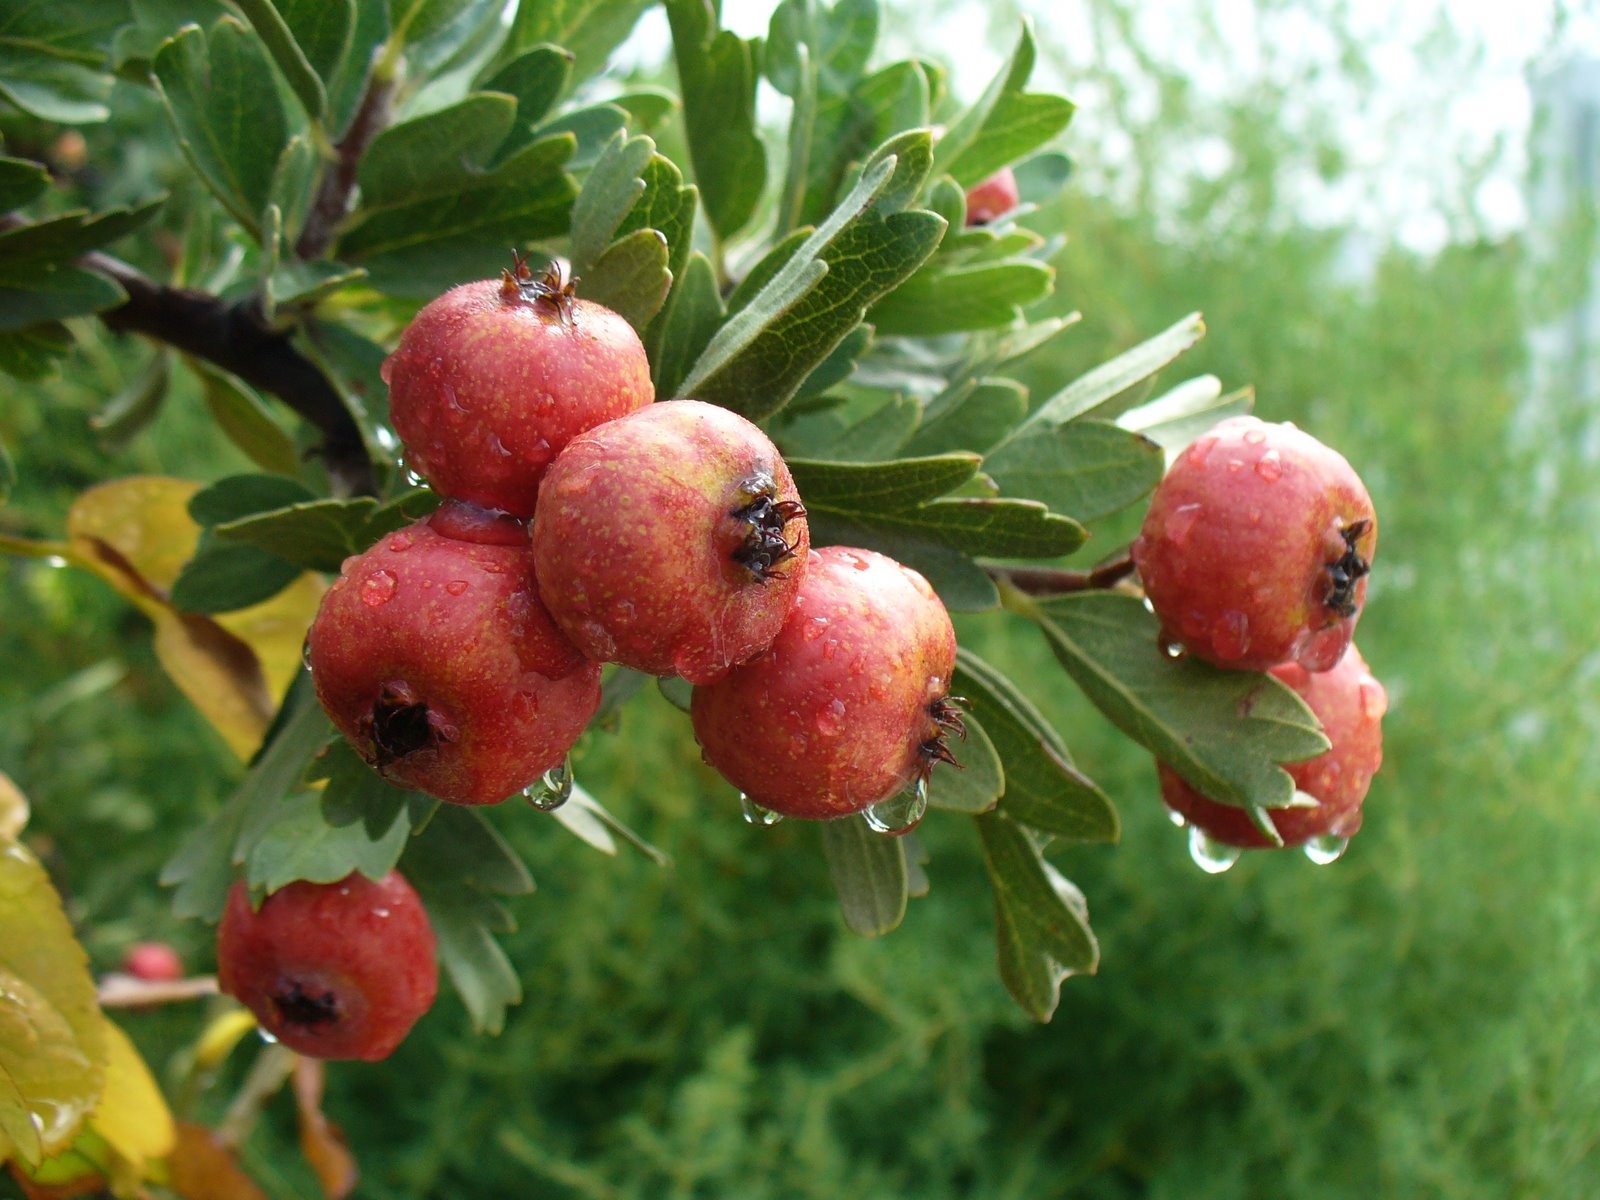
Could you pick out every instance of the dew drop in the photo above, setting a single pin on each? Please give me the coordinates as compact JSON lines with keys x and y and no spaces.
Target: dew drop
{"x":1255,"y":436}
{"x":305,"y":654}
{"x":265,"y":1036}
{"x":1180,"y":523}
{"x":1172,"y":648}
{"x":55,"y":561}
{"x":1211,"y":856}
{"x":414,"y":479}
{"x":901,"y":812}
{"x":380,"y":912}
{"x":1201,"y":448}
{"x":378,"y":589}
{"x":386,"y":369}
{"x":456,"y":586}
{"x":755,"y":814}
{"x":1330,"y":847}
{"x":813,"y":628}
{"x":1177,"y":818}
{"x":1230,"y":635}
{"x":451,"y":398}
{"x":539,"y":453}
{"x":1235,"y":465}
{"x":552,"y":790}
{"x":401,"y":542}
{"x":1374,"y":700}
{"x":831,"y":719}
{"x":1270,"y":466}
{"x":499,"y":447}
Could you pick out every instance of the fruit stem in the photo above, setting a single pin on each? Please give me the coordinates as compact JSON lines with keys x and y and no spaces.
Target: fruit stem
{"x":268,"y":1074}
{"x":1056,"y":581}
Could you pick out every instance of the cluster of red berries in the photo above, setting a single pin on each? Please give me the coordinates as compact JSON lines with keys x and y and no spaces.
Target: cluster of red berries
{"x":1254,"y":556}
{"x":583,"y":523}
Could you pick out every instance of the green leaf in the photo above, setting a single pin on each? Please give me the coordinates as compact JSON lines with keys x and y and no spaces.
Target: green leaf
{"x":301,"y":843}
{"x":133,"y":408}
{"x":1175,"y":418}
{"x":612,"y":188}
{"x":1086,"y":468}
{"x":666,"y":206}
{"x":420,"y":247}
{"x":535,"y":78}
{"x":245,"y":418}
{"x":291,"y":194}
{"x":356,"y":793}
{"x":893,"y":486}
{"x":1223,"y":731}
{"x":225,"y":577}
{"x":231,"y":127}
{"x":765,"y":351}
{"x":589,"y":29}
{"x":458,"y":864}
{"x":687,"y":321}
{"x":717,"y":79}
{"x":972,"y":417}
{"x":591,"y":128}
{"x":236,"y":496}
{"x":276,"y":35}
{"x":868,"y":870}
{"x":1042,"y":935}
{"x":51,"y":57}
{"x":1111,"y":379}
{"x":839,"y":365}
{"x":825,"y":431}
{"x":838,"y":41}
{"x":980,"y":782}
{"x":986,"y":296}
{"x":56,"y":294}
{"x":631,"y":277}
{"x":21,"y":180}
{"x":315,"y":535}
{"x":1005,"y":124}
{"x":322,"y":31}
{"x":202,"y":869}
{"x":8,"y":474}
{"x":32,"y":353}
{"x":1043,"y":789}
{"x":962,"y":585}
{"x":27,"y":248}
{"x":433,"y":31}
{"x":432,"y":155}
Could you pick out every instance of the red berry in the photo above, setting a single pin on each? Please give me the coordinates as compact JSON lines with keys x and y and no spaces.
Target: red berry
{"x":435,"y":657}
{"x":493,"y":378}
{"x":671,"y":540}
{"x":1350,"y":703}
{"x":851,"y":703}
{"x":333,"y":970}
{"x":1256,"y":548}
{"x":992,"y":197}
{"x":156,"y":962}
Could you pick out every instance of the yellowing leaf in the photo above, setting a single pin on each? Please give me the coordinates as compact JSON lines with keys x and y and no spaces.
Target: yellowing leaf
{"x":202,"y":1168}
{"x":52,"y":1038}
{"x":13,"y":808}
{"x":132,"y":1115}
{"x":321,"y":1141}
{"x":136,"y":534}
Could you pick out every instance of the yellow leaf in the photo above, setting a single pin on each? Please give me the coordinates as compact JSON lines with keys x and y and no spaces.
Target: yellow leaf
{"x":13,"y":808}
{"x":321,"y":1141}
{"x":136,"y":534}
{"x":132,"y":1115}
{"x":52,"y":1037}
{"x":203,"y":1168}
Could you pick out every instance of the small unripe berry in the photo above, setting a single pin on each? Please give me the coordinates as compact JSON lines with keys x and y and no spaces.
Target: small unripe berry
{"x":992,"y":197}
{"x":333,"y":970}
{"x":154,"y":962}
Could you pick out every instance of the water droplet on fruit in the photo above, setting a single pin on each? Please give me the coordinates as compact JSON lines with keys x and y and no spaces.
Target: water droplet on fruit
{"x":1172,"y":648}
{"x":305,"y":653}
{"x":451,"y":398}
{"x":1148,"y":607}
{"x":831,"y":719}
{"x":1374,"y":700}
{"x":378,"y":589}
{"x":1270,"y":466}
{"x":456,"y":586}
{"x":539,"y":453}
{"x":499,"y":447}
{"x":813,"y":628}
{"x":1230,"y":635}
{"x":1235,"y":465}
{"x":1255,"y":437}
{"x":901,"y":812}
{"x":755,"y":814}
{"x":1181,"y":521}
{"x":265,"y":1036}
{"x":380,"y":912}
{"x":414,"y":479}
{"x":1211,"y":856}
{"x":830,"y":648}
{"x":386,"y":369}
{"x":1201,"y":448}
{"x":552,"y":790}
{"x":856,"y":561}
{"x":401,"y":542}
{"x":1330,"y":847}
{"x":1177,"y":818}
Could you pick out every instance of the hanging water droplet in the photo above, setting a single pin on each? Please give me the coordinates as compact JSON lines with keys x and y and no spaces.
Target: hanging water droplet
{"x":56,"y":561}
{"x":265,"y":1036}
{"x":1172,"y":649}
{"x":305,"y":654}
{"x":1177,"y":818}
{"x":378,"y":588}
{"x":552,"y":790}
{"x":1330,"y":847}
{"x":414,"y":479}
{"x":1211,"y":856}
{"x":901,"y":812}
{"x":755,"y":814}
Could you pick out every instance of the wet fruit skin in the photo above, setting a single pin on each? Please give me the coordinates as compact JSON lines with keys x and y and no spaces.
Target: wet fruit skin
{"x":1350,"y":703}
{"x":671,"y":540}
{"x":433,"y":654}
{"x":154,"y":962}
{"x":850,"y":704}
{"x":491,"y":380}
{"x":992,"y":197}
{"x":333,"y":970}
{"x":1256,"y":548}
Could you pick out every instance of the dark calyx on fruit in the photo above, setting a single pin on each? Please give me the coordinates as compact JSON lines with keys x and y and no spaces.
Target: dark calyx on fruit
{"x":400,"y":726}
{"x":948,"y":718}
{"x":1346,"y":571}
{"x":765,"y":546}
{"x":552,"y":291}
{"x":308,"y":1010}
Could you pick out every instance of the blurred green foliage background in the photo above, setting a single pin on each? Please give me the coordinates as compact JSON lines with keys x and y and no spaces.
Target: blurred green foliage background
{"x":1416,"y":1020}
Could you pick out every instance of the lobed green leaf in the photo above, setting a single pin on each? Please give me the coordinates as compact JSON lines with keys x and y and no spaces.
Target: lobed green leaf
{"x":1086,"y":468}
{"x":868,"y":870}
{"x":979,"y":782}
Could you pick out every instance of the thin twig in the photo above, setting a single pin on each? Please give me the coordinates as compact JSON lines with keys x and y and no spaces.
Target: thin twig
{"x":1055,"y":581}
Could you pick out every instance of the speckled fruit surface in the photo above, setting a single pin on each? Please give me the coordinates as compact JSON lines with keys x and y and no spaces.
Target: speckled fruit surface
{"x":849,"y":705}
{"x":1256,"y":548}
{"x":1350,"y":703}
{"x":435,"y":657}
{"x":493,"y":378}
{"x":671,"y":540}
{"x":333,"y":970}
{"x":992,"y":197}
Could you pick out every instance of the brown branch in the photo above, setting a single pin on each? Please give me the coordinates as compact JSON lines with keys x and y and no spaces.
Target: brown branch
{"x":338,"y":183}
{"x":233,"y":337}
{"x":1054,"y":581}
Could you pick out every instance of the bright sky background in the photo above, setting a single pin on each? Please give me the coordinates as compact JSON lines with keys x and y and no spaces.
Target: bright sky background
{"x":1435,"y":145}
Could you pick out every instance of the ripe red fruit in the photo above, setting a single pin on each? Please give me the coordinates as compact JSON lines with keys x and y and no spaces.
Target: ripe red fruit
{"x":992,"y":197}
{"x":333,"y":970}
{"x":155,"y":962}
{"x":1256,"y":548}
{"x":493,"y":378}
{"x":435,"y":657}
{"x":1350,"y":703}
{"x":851,"y":703}
{"x":671,"y":540}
